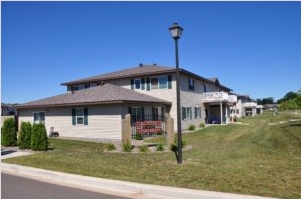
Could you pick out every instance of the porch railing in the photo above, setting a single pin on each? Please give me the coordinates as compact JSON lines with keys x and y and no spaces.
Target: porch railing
{"x":148,"y":125}
{"x":219,"y":96}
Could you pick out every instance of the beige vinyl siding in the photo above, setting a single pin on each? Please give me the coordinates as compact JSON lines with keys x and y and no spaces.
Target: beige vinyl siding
{"x":192,"y":98}
{"x":166,"y":94}
{"x":104,"y":122}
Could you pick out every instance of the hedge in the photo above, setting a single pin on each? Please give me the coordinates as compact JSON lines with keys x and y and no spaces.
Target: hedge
{"x":39,"y":140}
{"x":8,"y":133}
{"x":24,"y":140}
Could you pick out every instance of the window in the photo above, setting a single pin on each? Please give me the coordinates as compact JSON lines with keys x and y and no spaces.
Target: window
{"x":186,"y":113}
{"x":137,"y":84}
{"x":205,"y":88}
{"x":78,"y":87}
{"x":137,"y":113}
{"x":39,"y":117}
{"x":191,"y":84}
{"x":237,"y":111}
{"x":154,"y":83}
{"x":162,"y":82}
{"x":197,"y":112}
{"x":80,"y":116}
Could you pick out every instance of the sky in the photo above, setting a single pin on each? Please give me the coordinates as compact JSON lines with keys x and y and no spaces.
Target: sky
{"x":253,"y":48}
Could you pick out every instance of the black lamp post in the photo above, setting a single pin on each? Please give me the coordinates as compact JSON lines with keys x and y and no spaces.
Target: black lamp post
{"x":176,"y":32}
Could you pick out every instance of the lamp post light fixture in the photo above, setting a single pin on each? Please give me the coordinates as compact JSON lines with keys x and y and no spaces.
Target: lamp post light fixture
{"x":176,"y":32}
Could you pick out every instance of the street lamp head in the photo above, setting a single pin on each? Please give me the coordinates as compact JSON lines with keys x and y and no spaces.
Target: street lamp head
{"x":176,"y":31}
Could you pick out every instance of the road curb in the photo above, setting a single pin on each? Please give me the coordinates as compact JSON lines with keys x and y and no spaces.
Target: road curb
{"x":117,"y":187}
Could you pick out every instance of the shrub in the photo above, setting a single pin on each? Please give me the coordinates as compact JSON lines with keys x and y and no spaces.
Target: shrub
{"x":127,"y":147}
{"x":174,"y":146}
{"x":143,"y":148}
{"x":24,"y":140}
{"x":39,"y":140}
{"x":160,"y":147}
{"x":111,"y":147}
{"x":8,"y":133}
{"x":191,"y":127}
{"x":202,"y":125}
{"x":139,"y":136}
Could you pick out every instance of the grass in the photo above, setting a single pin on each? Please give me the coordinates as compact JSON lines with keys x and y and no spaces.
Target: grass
{"x":257,"y":159}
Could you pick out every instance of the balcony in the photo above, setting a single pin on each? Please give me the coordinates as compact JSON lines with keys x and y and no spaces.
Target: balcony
{"x":219,"y":97}
{"x":250,"y":104}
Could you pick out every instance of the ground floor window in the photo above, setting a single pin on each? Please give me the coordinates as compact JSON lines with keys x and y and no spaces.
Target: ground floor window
{"x":137,"y":113}
{"x":80,"y":116}
{"x":186,"y":113}
{"x":197,"y":112}
{"x":39,"y":117}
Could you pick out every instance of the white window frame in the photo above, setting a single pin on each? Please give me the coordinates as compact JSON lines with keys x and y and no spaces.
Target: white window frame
{"x":135,"y":85}
{"x":197,"y":112}
{"x":40,"y":119}
{"x":165,"y":85}
{"x":152,"y":86}
{"x":186,"y":113}
{"x":77,"y":116}
{"x":190,"y":84}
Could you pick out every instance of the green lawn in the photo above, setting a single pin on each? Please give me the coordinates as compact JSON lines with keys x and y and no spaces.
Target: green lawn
{"x":257,"y":159}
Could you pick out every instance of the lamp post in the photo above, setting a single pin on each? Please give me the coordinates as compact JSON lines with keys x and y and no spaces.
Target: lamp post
{"x":176,"y":32}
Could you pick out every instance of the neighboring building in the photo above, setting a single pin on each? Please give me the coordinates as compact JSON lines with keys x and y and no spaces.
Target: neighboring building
{"x":245,"y":106}
{"x":94,"y":107}
{"x":7,"y":109}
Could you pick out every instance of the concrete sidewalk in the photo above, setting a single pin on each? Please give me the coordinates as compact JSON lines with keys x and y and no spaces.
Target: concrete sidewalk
{"x":115,"y":187}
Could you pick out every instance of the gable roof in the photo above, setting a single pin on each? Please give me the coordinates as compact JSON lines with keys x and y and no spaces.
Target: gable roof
{"x":104,"y":94}
{"x":141,"y":70}
{"x":130,"y":72}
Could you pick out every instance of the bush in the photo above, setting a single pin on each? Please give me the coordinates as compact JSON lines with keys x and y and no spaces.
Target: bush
{"x":160,"y":147}
{"x":143,"y":148}
{"x":202,"y":125}
{"x":127,"y":147}
{"x":24,"y":140}
{"x":139,"y":136}
{"x":39,"y":140}
{"x":111,"y":147}
{"x":191,"y":127}
{"x":174,"y":146}
{"x":8,"y":133}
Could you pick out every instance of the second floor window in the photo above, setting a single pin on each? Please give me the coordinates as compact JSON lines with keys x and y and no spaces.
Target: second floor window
{"x":137,"y":84}
{"x":191,"y":84}
{"x":148,"y":83}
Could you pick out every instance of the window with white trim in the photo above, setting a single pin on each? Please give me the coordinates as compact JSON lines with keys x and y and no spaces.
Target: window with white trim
{"x":39,"y":117}
{"x":137,"y":83}
{"x":191,"y":84}
{"x":162,"y":82}
{"x":197,"y":112}
{"x":80,"y":116}
{"x":186,"y":113}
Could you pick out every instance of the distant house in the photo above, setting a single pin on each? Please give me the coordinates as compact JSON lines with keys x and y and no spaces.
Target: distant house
{"x":245,"y":106}
{"x":94,"y":107}
{"x":7,"y":109}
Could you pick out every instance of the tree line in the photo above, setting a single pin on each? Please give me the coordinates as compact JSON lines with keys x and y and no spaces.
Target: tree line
{"x":290,"y":101}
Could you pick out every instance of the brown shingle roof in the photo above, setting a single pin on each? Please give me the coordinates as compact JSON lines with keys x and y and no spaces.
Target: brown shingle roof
{"x":104,"y":94}
{"x":131,"y":72}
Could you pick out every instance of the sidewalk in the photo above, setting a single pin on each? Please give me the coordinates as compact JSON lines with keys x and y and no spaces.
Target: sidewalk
{"x":116,"y":187}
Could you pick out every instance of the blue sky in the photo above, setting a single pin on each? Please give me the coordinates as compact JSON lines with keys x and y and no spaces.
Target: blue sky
{"x":252,"y":47}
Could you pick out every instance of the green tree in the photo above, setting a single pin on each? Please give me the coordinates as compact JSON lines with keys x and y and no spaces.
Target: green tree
{"x":39,"y":139}
{"x":24,"y":141}
{"x":8,"y":133}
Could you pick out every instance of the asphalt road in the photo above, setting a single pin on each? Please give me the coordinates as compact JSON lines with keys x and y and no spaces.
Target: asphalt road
{"x":15,"y":187}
